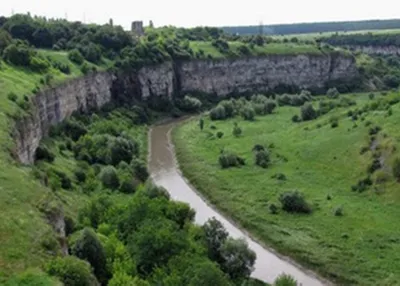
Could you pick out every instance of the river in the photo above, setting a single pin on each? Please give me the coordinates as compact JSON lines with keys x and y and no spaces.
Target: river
{"x":164,"y":172}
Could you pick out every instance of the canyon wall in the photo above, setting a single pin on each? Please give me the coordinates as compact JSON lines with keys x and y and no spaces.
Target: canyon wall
{"x":219,"y":77}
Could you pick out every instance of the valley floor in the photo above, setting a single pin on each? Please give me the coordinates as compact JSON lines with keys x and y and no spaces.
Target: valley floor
{"x":359,"y":247}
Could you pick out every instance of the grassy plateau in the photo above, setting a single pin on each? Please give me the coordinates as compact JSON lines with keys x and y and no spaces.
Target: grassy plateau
{"x":360,"y":244}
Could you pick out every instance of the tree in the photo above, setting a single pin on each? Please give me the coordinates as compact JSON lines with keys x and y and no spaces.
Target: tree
{"x":308,"y":112}
{"x":205,"y":273}
{"x":396,"y":168}
{"x":238,"y":259}
{"x":285,"y":280}
{"x":140,"y":169}
{"x":76,"y":56}
{"x":18,"y":54}
{"x":122,"y":149}
{"x":332,"y":93}
{"x":155,"y":242}
{"x":215,"y":235}
{"x":89,"y":248}
{"x":237,"y":131}
{"x":5,"y":40}
{"x":71,"y":271}
{"x":109,"y":177}
{"x":294,"y":202}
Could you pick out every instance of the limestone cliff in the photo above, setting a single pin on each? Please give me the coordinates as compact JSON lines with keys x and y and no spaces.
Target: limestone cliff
{"x":221,"y":77}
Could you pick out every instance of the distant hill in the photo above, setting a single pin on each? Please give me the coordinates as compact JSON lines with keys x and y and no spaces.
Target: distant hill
{"x":304,"y":28}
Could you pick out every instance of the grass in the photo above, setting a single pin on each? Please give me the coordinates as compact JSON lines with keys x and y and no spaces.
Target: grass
{"x":22,"y":226}
{"x":362,"y":246}
{"x":267,"y":49}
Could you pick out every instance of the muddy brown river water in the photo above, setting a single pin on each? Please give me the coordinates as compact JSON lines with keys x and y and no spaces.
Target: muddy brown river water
{"x":165,"y":172}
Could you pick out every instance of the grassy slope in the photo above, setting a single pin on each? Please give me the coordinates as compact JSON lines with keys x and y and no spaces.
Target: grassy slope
{"x":320,"y":162}
{"x":273,"y":48}
{"x":22,"y":227}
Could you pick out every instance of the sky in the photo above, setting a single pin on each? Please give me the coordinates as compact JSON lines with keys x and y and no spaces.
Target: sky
{"x":206,"y":12}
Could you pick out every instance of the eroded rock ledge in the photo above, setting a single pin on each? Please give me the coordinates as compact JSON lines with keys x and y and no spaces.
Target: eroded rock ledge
{"x":218,"y":77}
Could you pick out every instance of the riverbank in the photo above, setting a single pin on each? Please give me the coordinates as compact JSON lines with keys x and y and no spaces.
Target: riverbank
{"x":335,"y":247}
{"x":165,"y":172}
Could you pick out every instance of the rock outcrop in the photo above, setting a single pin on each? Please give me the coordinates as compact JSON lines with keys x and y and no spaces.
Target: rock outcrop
{"x":220,"y":77}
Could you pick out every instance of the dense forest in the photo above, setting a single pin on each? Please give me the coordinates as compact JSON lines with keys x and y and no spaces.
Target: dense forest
{"x":304,"y":28}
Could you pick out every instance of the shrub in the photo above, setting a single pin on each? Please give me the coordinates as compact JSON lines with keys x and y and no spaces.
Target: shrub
{"x":308,"y":112}
{"x":201,"y":124}
{"x":273,"y":209}
{"x":229,"y":159}
{"x":364,"y":149}
{"x":109,"y":177}
{"x":375,"y":165}
{"x":190,"y":104}
{"x":12,"y":96}
{"x":153,"y":191}
{"x":85,"y":68}
{"x":43,"y":153}
{"x":374,"y":130}
{"x":128,"y":185}
{"x":262,"y":158}
{"x":338,"y":211}
{"x":80,"y":175}
{"x":396,"y":168}
{"x":285,"y":280}
{"x":294,"y":202}
{"x":258,"y":147}
{"x":89,"y":248}
{"x":371,"y":96}
{"x":334,"y":122}
{"x":280,"y":177}
{"x":248,"y":113}
{"x":38,"y":64}
{"x":18,"y":54}
{"x":220,"y":134}
{"x":218,"y":113}
{"x":228,"y":107}
{"x":140,"y":169}
{"x":237,"y":131}
{"x":75,"y":56}
{"x":296,"y":118}
{"x":332,"y":93}
{"x":71,"y":271}
{"x":362,"y":185}
{"x":122,"y":149}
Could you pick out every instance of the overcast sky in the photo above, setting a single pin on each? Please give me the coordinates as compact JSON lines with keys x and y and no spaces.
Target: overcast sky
{"x":206,"y":12}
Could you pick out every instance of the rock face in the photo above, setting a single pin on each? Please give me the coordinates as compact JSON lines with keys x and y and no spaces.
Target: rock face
{"x":220,"y":77}
{"x":264,"y":74}
{"x":377,"y":50}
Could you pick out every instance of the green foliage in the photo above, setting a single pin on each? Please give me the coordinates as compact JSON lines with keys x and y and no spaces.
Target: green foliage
{"x":12,"y":96}
{"x":76,"y":57}
{"x":338,"y":211}
{"x":71,"y":271}
{"x":237,"y":131}
{"x":88,"y":247}
{"x":238,"y":259}
{"x":396,"y":168}
{"x":139,"y":168}
{"x":31,"y":278}
{"x":215,"y":235}
{"x":201,"y":124}
{"x":308,"y":112}
{"x":109,"y":177}
{"x":248,"y":113}
{"x":333,"y":93}
{"x":273,"y":209}
{"x":220,"y":134}
{"x":229,"y":159}
{"x":218,"y":113}
{"x":294,"y":202}
{"x":5,"y":40}
{"x":18,"y":54}
{"x":43,"y":153}
{"x":262,"y":158}
{"x":190,"y":104}
{"x":285,"y":280}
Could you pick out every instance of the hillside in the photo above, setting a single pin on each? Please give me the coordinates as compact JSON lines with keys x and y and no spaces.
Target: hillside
{"x":344,"y":163}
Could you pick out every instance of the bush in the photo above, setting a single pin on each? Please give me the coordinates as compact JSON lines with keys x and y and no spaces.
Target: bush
{"x":38,"y":64}
{"x":201,"y":124}
{"x":296,"y":118}
{"x":285,"y":280}
{"x":362,"y":185}
{"x":396,"y":168}
{"x":381,"y":177}
{"x":228,"y":107}
{"x":153,"y":191}
{"x":80,"y":175}
{"x":279,"y":177}
{"x":18,"y":54}
{"x":273,"y":209}
{"x":258,"y":147}
{"x":294,"y":202}
{"x":374,"y":130}
{"x":262,"y":158}
{"x":109,"y":177}
{"x":218,"y":113}
{"x":75,"y":56}
{"x":190,"y":104}
{"x":371,"y":96}
{"x":338,"y":211}
{"x":308,"y":112}
{"x":140,"y":169}
{"x":248,"y":113}
{"x":220,"y":134}
{"x":85,"y":68}
{"x":237,"y":131}
{"x":375,"y":165}
{"x":43,"y":153}
{"x":229,"y":159}
{"x":332,"y":93}
{"x":12,"y":96}
{"x":334,"y":122}
{"x":71,"y":271}
{"x":122,"y":149}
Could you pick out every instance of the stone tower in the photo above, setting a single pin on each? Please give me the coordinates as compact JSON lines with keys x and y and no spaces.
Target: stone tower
{"x":137,"y":28}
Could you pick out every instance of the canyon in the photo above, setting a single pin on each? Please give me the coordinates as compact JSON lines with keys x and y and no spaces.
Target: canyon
{"x":216,"y":77}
